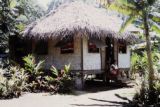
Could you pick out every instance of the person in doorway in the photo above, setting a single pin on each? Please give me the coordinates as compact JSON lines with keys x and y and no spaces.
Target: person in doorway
{"x":114,"y":69}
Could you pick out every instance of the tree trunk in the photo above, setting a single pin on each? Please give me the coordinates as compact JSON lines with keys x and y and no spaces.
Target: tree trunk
{"x":149,"y":55}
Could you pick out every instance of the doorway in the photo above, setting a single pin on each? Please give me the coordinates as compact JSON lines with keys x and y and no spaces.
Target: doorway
{"x":109,"y":56}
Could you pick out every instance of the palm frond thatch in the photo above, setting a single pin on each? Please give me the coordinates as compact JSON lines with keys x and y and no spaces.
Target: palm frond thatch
{"x":81,"y":18}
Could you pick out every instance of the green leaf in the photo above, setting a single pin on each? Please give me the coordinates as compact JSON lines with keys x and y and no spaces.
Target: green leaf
{"x":20,"y":26}
{"x":128,"y":21}
{"x":54,"y":71}
{"x":124,"y":8}
{"x":126,"y":3}
{"x":155,"y":17}
{"x":155,"y":27}
{"x":67,"y":68}
{"x":13,"y":3}
{"x":39,"y":66}
{"x":50,"y":79}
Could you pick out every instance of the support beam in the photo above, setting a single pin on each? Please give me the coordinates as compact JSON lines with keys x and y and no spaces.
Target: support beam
{"x":82,"y":67}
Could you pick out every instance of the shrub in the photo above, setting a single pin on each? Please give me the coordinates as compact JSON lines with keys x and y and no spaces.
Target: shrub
{"x":15,"y":80}
{"x":141,"y":98}
{"x":62,"y":79}
{"x":14,"y":84}
{"x":55,"y":81}
{"x":35,"y":73}
{"x":140,"y":65}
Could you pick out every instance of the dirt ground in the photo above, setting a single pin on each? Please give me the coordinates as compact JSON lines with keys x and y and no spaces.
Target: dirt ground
{"x":99,"y":96}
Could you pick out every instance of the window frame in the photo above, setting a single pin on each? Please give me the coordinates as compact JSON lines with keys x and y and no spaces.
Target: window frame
{"x":121,"y":46}
{"x":89,"y":46}
{"x":63,"y":50}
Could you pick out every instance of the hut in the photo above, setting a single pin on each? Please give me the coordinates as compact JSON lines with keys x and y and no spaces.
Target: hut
{"x":83,"y":35}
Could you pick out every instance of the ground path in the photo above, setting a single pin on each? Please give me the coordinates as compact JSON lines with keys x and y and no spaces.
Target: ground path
{"x":104,"y":98}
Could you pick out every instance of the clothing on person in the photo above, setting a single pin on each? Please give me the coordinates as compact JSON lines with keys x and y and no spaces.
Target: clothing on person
{"x":114,"y":69}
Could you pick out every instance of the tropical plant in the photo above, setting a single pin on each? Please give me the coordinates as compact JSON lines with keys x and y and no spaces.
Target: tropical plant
{"x":141,"y":98}
{"x":138,"y":66}
{"x":12,"y":84}
{"x":31,"y":66}
{"x":53,"y":81}
{"x":139,"y":62}
{"x":63,"y":80}
{"x":34,"y":71}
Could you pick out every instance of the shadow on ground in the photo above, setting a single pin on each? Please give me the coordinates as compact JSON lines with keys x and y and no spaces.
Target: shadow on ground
{"x":93,"y":86}
{"x":99,"y":86}
{"x":125,"y":103}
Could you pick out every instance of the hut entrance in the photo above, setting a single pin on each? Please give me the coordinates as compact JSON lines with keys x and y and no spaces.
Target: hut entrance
{"x":109,"y":56}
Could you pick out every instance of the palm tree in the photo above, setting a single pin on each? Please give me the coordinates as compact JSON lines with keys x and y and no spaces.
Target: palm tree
{"x":148,"y":12}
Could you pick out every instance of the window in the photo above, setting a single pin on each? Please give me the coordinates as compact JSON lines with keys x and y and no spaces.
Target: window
{"x":41,"y":47}
{"x":68,"y":46}
{"x":92,"y":48}
{"x":122,"y":48}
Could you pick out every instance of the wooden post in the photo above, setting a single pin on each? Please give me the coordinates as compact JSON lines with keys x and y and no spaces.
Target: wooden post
{"x":79,"y":82}
{"x":82,"y":73}
{"x":101,"y":57}
{"x":81,"y":54}
{"x":117,"y":52}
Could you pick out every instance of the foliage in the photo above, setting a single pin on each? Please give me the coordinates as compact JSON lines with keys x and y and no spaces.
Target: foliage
{"x":29,"y":11}
{"x":14,"y":15}
{"x":15,"y":80}
{"x":13,"y":84}
{"x":62,"y":79}
{"x":139,"y":62}
{"x":141,"y":98}
{"x":134,"y":11}
{"x":31,"y":66}
{"x":35,"y":73}
{"x":7,"y":24}
{"x":55,"y":81}
{"x":140,"y":65}
{"x":11,"y":24}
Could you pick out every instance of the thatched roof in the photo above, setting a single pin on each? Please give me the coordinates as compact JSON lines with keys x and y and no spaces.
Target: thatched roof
{"x":78,"y":17}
